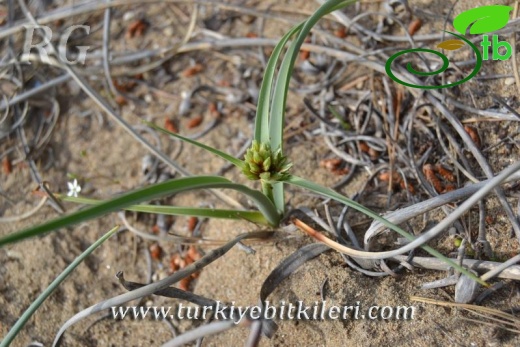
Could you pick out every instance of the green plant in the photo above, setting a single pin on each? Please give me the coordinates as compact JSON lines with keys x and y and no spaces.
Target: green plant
{"x":6,"y":341}
{"x":264,"y":162}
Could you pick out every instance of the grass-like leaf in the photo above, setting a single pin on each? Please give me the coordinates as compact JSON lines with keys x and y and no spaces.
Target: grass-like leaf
{"x":50,"y":289}
{"x":276,"y":117}
{"x":277,"y":114}
{"x":160,"y":285}
{"x":300,"y":182}
{"x":252,"y":216}
{"x":237,"y":162}
{"x":155,"y":191}
{"x":346,"y":126}
{"x":264,"y":96}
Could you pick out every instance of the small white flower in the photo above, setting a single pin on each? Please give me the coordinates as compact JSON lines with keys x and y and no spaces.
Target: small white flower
{"x":74,"y":188}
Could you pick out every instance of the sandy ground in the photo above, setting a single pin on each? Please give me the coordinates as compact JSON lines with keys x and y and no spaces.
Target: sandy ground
{"x":107,"y":161}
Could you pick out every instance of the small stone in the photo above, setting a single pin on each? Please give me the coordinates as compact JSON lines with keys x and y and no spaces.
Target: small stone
{"x":509,"y":81}
{"x":168,"y":31}
{"x":14,"y":255}
{"x":128,"y":16}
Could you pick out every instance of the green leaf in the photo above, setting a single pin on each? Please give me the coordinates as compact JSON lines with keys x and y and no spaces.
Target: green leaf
{"x":482,"y":19}
{"x":154,"y":191}
{"x":237,"y":162}
{"x":300,"y":182}
{"x":277,"y":115}
{"x":264,"y":96}
{"x":346,"y":126}
{"x":277,"y":111}
{"x":252,"y":216}
{"x":51,"y":288}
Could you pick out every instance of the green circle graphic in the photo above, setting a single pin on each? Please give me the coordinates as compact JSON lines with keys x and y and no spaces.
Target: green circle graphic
{"x":443,"y":68}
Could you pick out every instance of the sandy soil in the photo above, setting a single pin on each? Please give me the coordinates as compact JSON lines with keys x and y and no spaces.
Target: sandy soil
{"x":107,"y":161}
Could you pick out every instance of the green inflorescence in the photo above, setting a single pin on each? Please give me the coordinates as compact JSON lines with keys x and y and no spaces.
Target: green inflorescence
{"x":261,"y":163}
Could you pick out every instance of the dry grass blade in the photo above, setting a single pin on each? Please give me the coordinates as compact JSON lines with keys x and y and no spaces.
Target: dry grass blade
{"x":103,"y":104}
{"x":477,"y":154}
{"x":157,"y":286}
{"x":203,"y":331}
{"x":512,"y":272}
{"x":502,"y":319}
{"x":52,"y":287}
{"x":402,"y":215}
{"x":169,"y":292}
{"x":199,"y":65}
{"x":284,"y":270}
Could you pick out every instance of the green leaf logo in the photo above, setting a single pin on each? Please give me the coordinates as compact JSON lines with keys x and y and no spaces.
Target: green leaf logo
{"x":482,"y":19}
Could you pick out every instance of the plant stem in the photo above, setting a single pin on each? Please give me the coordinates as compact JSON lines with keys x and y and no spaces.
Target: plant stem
{"x":267,"y":189}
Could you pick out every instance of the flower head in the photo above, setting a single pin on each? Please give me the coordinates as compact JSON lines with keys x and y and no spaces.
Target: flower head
{"x":74,"y":188}
{"x":261,"y":163}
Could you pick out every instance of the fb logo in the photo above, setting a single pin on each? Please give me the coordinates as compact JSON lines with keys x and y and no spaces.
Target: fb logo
{"x":479,"y":20}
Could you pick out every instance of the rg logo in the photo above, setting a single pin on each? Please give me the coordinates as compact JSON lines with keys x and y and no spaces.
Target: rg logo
{"x":43,"y":46}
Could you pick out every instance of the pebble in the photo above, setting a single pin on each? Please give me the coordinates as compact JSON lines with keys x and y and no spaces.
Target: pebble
{"x":509,"y":81}
{"x":168,"y":31}
{"x":128,"y":16}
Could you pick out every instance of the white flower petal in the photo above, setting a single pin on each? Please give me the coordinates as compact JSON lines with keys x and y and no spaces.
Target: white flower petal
{"x":74,"y":188}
